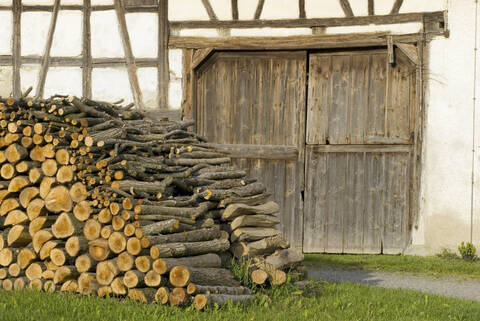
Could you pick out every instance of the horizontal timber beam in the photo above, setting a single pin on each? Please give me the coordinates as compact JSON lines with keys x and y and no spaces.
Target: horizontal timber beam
{"x":6,"y":60}
{"x":48,"y":8}
{"x":278,"y":152}
{"x":310,"y":23}
{"x":290,"y":42}
{"x":360,"y":148}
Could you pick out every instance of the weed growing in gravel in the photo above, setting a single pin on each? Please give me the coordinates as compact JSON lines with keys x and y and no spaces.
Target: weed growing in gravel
{"x":467,"y":251}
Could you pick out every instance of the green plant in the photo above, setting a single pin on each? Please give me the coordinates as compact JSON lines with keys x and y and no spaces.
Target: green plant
{"x":447,"y":254}
{"x":467,"y":251}
{"x":240,"y":270}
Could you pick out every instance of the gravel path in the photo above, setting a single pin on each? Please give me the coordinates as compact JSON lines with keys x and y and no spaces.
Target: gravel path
{"x":451,"y":287}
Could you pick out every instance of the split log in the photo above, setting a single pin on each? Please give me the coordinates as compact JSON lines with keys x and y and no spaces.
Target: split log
{"x":58,"y":200}
{"x":264,"y":246}
{"x":188,"y":248}
{"x":87,"y":283}
{"x":27,"y":194}
{"x":36,"y":208}
{"x":180,"y":276}
{"x":233,"y":211}
{"x":69,"y":286}
{"x":118,"y":287}
{"x":34,"y":270}
{"x":205,"y":234}
{"x":66,"y":225}
{"x":8,"y":205}
{"x":254,"y":221}
{"x":18,"y":236}
{"x":39,"y":238}
{"x":25,"y":257}
{"x":252,"y":234}
{"x":209,"y":260}
{"x":106,"y":272}
{"x":15,"y":217}
{"x":47,"y":249}
{"x":76,"y":245}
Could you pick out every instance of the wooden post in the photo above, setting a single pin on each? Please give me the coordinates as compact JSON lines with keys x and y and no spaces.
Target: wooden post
{"x":163,"y":65}
{"x":301,"y":9}
{"x":16,"y":48}
{"x":258,"y":11}
{"x":46,"y":55}
{"x":87,"y":51}
{"x":235,"y":9}
{"x":130,"y":60}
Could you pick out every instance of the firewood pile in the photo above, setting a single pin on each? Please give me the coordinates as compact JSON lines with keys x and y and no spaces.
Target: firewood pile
{"x":99,"y":198}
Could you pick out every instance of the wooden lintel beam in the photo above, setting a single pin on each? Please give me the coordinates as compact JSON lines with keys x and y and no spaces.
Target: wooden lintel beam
{"x":396,"y":7}
{"x":210,"y":12}
{"x":46,"y":55}
{"x":310,"y":23}
{"x":259,"y":9}
{"x":289,"y":43}
{"x":130,"y":60}
{"x":347,"y":9}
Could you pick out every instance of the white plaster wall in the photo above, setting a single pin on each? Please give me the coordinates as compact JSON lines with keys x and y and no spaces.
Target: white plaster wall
{"x":445,"y":210}
{"x":6,"y":33}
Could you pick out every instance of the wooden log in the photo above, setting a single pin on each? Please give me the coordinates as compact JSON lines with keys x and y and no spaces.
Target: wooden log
{"x":15,"y":217}
{"x":104,"y":291}
{"x":106,"y":271}
{"x":233,"y":211}
{"x":209,"y":260}
{"x":7,"y":171}
{"x":247,"y":200}
{"x":18,"y":183}
{"x":49,"y":286}
{"x":188,"y":212}
{"x":252,"y":234}
{"x":47,"y":248}
{"x":62,"y":156}
{"x":18,"y":236}
{"x":134,"y":246}
{"x":15,"y":270}
{"x":76,"y":245}
{"x":285,"y":259}
{"x":8,"y":205}
{"x":25,"y":257}
{"x":180,"y":276}
{"x":36,"y":208}
{"x":143,"y":263}
{"x":205,"y":234}
{"x":65,"y":174}
{"x":25,"y":166}
{"x":69,"y":286}
{"x":258,"y":276}
{"x":193,"y":289}
{"x":46,"y":186}
{"x":277,"y":277}
{"x":39,"y":238}
{"x":78,"y":192}
{"x":84,"y":263}
{"x":125,"y":261}
{"x":168,"y":226}
{"x":264,"y":246}
{"x":118,"y":287}
{"x":99,"y":250}
{"x":152,"y":279}
{"x":188,"y":248}
{"x":161,"y":295}
{"x":49,"y":167}
{"x":92,"y":229}
{"x":146,"y":295}
{"x":7,"y":284}
{"x":34,"y":270}
{"x":65,"y":273}
{"x":15,"y":152}
{"x":146,"y":187}
{"x":58,"y":200}
{"x":35,"y":175}
{"x":3,"y":273}
{"x":59,"y":257}
{"x":36,"y":284}
{"x":133,"y":278}
{"x":27,"y":194}
{"x":82,"y":210}
{"x":66,"y":225}
{"x":254,"y":221}
{"x":178,"y":297}
{"x":87,"y":283}
{"x":202,"y":300}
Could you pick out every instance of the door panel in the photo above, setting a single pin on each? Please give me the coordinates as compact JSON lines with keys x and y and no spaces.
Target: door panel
{"x":360,"y":134}
{"x":257,"y":99}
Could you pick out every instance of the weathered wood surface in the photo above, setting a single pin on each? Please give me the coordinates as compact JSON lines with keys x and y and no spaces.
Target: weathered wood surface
{"x":274,"y":83}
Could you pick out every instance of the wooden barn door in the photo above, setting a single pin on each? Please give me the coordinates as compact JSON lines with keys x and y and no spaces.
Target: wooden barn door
{"x":360,"y":142}
{"x":257,"y":100}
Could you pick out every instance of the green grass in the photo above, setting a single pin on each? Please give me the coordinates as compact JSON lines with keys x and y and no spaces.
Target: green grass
{"x":343,"y":301}
{"x":431,"y":265}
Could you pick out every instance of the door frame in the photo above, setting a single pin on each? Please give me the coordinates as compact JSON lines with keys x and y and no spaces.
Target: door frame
{"x":412,"y":45}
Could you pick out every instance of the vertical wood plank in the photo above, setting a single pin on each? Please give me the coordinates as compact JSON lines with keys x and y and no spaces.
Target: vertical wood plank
{"x":347,"y":9}
{"x":373,"y":225}
{"x":86,"y":51}
{"x":335,"y":199}
{"x":46,"y":54}
{"x":355,"y":210}
{"x":301,"y":9}
{"x":129,"y":59}
{"x":396,"y":6}
{"x":187,"y":73}
{"x":371,"y":7}
{"x":319,"y":98}
{"x":398,"y":100}
{"x":338,"y":112}
{"x":234,"y":9}
{"x":359,"y":98}
{"x":163,"y":65}
{"x":316,"y":182}
{"x":377,"y":96}
{"x":259,"y":9}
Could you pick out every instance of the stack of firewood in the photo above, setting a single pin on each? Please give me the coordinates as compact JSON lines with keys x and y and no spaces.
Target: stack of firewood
{"x":102,"y":198}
